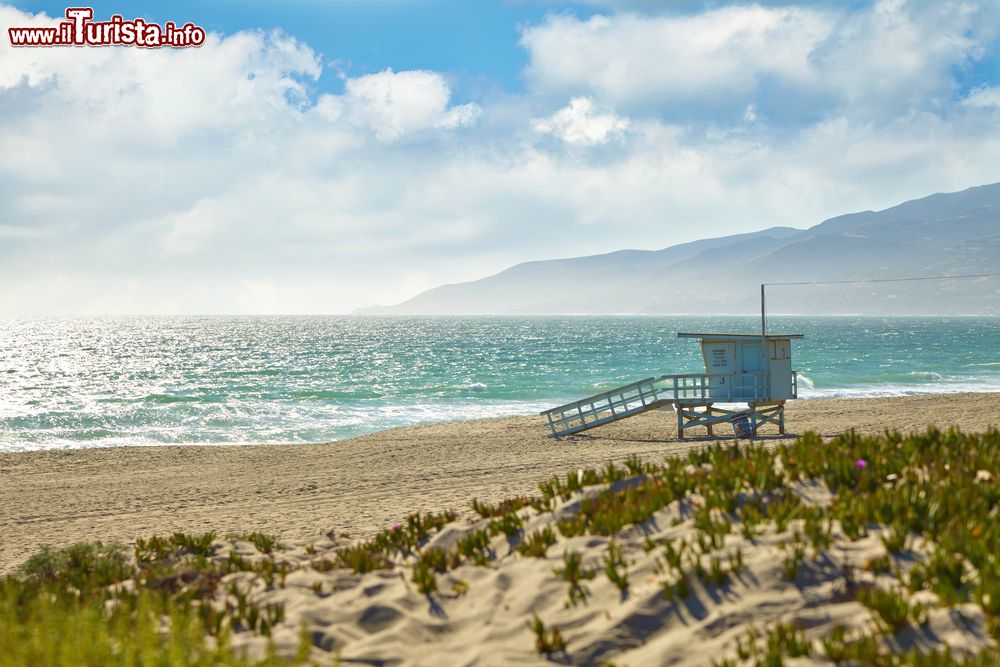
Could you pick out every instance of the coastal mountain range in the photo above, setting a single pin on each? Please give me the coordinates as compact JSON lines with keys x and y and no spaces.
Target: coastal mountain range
{"x":939,"y":235}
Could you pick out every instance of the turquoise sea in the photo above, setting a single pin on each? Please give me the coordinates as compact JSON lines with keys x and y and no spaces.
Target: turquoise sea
{"x":104,"y":382}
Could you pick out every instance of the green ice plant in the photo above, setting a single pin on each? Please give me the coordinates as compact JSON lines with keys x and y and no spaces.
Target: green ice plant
{"x":575,"y":574}
{"x":537,"y":543}
{"x":547,"y":641}
{"x":475,"y":546}
{"x":71,"y":607}
{"x":508,"y":524}
{"x":504,"y":507}
{"x":892,"y":608}
{"x":615,"y":568}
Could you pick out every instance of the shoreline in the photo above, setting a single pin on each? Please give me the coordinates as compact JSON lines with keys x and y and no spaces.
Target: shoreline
{"x":434,"y":422}
{"x":362,"y":484}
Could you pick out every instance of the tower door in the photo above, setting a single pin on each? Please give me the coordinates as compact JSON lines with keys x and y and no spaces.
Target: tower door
{"x":751,"y":357}
{"x":781,"y":370}
{"x":753,"y":386}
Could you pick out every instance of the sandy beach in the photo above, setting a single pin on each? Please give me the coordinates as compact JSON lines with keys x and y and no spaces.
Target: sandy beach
{"x":361,"y":485}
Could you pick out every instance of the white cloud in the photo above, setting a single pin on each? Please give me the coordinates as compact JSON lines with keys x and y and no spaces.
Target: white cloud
{"x":900,"y":55}
{"x":632,"y":59}
{"x":250,"y":77}
{"x":193,"y":230}
{"x":396,"y":103}
{"x":580,"y":123}
{"x":984,"y":97}
{"x":880,"y":61}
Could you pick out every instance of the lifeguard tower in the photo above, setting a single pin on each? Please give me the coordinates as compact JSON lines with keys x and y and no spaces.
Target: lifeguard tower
{"x":751,"y":369}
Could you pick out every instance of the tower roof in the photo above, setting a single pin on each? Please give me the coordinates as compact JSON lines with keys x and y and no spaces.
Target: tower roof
{"x":739,"y":336}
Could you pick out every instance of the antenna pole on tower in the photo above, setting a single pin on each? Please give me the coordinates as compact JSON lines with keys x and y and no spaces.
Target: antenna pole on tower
{"x":763,"y":325}
{"x":763,"y":333}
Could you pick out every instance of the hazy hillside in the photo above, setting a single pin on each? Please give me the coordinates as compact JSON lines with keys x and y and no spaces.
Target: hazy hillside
{"x":954,"y":233}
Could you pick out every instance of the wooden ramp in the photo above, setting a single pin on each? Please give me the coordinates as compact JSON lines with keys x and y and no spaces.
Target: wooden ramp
{"x":607,"y":407}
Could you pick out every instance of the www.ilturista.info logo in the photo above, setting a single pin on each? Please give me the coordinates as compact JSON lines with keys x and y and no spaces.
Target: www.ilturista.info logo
{"x":80,"y":30}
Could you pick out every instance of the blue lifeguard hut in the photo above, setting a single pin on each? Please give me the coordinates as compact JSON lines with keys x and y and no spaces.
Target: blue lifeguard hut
{"x":741,"y":369}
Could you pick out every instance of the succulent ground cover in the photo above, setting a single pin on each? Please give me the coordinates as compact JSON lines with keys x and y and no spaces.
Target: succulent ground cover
{"x":855,"y":550}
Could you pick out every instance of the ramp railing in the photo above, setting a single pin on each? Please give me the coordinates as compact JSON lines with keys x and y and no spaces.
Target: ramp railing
{"x":603,"y":408}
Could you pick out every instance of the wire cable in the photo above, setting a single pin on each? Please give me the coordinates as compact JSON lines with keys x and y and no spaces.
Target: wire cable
{"x":763,"y":311}
{"x":884,"y":280}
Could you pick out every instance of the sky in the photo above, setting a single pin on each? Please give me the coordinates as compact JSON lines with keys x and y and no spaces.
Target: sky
{"x":319,"y":156}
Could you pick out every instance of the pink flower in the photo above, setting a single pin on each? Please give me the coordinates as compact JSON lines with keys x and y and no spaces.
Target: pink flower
{"x":860,"y":464}
{"x":395,"y":527}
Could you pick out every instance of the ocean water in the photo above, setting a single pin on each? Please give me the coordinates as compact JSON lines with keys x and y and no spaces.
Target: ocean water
{"x":104,"y":382}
